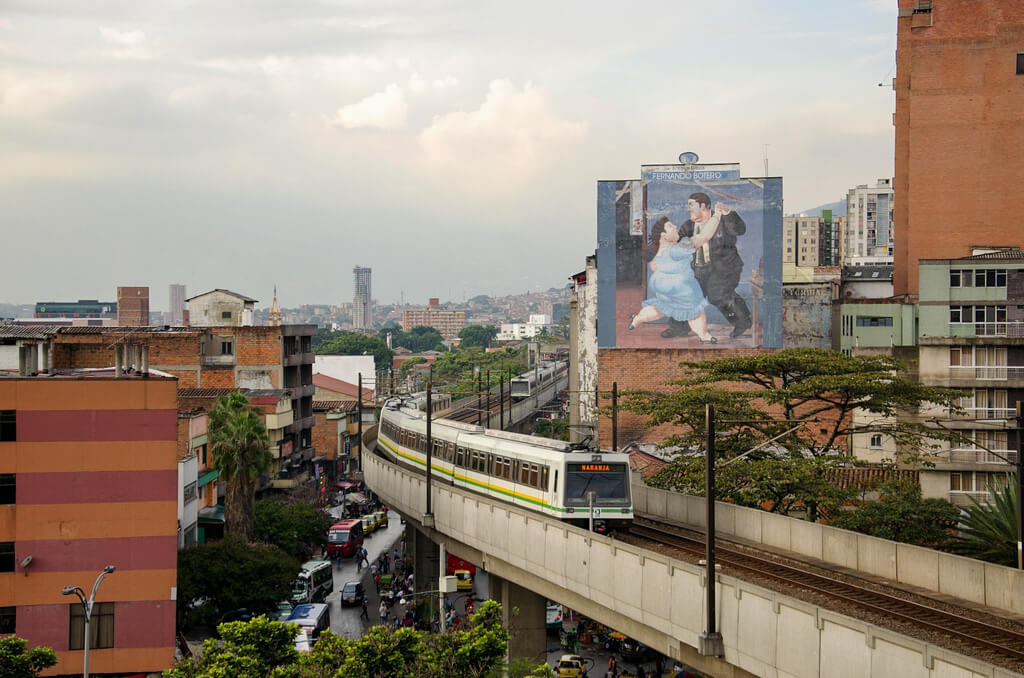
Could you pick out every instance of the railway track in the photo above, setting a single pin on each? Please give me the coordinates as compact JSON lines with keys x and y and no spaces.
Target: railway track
{"x":970,"y":633}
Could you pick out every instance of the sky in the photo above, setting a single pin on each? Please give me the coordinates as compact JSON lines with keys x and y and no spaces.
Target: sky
{"x":453,"y":146}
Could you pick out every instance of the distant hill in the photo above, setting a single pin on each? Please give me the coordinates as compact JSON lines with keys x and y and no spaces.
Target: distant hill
{"x":838,"y":209}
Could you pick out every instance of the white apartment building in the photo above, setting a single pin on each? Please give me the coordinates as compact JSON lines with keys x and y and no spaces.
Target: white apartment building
{"x":868,"y":233}
{"x":536,"y":324}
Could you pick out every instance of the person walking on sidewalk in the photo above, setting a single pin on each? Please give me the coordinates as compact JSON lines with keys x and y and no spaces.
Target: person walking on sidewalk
{"x":364,"y":614}
{"x":383,"y":612}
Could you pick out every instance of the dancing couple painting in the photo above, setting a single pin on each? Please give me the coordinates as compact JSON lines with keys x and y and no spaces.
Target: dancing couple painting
{"x":691,"y":266}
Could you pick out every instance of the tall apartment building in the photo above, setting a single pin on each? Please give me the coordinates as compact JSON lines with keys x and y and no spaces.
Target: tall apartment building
{"x":448,"y":323}
{"x":868,"y":234}
{"x":362,"y":299}
{"x":811,"y":241}
{"x":176,"y":305}
{"x":132,"y":306}
{"x":89,"y":478}
{"x":959,"y":93}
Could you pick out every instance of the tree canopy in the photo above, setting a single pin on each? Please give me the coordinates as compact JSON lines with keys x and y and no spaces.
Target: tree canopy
{"x":225,"y":575}
{"x":454,"y":371}
{"x":18,"y":661}
{"x":793,"y":408}
{"x":241,"y":453}
{"x":418,"y":339}
{"x":299,"y":528}
{"x":353,"y":343}
{"x":265,"y":648}
{"x":478,"y":335}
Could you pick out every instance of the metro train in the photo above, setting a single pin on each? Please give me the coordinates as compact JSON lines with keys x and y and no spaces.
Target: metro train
{"x":546,"y":476}
{"x":528,"y":383}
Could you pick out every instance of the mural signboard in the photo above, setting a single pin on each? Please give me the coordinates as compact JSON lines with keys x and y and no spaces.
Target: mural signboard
{"x":690,"y":256}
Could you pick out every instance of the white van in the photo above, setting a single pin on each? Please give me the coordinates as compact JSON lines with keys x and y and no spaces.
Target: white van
{"x":311,"y":618}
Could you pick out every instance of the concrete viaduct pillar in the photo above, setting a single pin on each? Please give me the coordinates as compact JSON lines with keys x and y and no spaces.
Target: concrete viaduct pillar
{"x":524,"y":614}
{"x":425,"y":561}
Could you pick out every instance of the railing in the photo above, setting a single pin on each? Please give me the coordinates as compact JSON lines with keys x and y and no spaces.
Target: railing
{"x":972,"y":455}
{"x":986,"y":373}
{"x":987,"y":413}
{"x":1012,"y":328}
{"x":964,"y":498}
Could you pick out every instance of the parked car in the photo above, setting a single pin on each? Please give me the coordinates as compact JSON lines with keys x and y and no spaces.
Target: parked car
{"x":571,"y":666}
{"x":381,"y":518}
{"x":369,"y":524}
{"x":352,"y":593}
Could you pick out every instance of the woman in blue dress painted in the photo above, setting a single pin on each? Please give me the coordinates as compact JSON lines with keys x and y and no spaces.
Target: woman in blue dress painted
{"x":677,"y":293}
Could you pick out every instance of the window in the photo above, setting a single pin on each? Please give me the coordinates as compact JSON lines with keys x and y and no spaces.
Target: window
{"x":8,"y":426}
{"x":225,"y":315}
{"x":226,"y":348}
{"x":189,"y":493}
{"x":6,"y":556}
{"x":961,"y":356}
{"x":876,"y":441}
{"x":7,"y":619}
{"x":7,"y":488}
{"x":202,"y":454}
{"x":101,"y":626}
{"x":868,"y":321}
{"x":1020,"y":63}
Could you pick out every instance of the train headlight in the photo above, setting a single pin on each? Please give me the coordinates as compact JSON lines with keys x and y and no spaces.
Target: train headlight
{"x":570,"y":510}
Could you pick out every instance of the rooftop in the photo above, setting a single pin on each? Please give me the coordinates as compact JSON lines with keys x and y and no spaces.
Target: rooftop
{"x":220,"y":289}
{"x":334,"y":405}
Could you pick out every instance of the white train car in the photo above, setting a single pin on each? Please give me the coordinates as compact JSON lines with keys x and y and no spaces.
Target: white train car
{"x":527,"y":383}
{"x":539,"y":474}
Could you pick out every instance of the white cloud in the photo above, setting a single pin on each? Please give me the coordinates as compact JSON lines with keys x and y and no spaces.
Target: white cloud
{"x":127,"y":44}
{"x":418,"y":84}
{"x":513,"y":128}
{"x":384,"y":110}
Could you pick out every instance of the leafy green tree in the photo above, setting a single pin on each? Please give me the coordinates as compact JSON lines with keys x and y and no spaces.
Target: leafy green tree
{"x":989,"y":531}
{"x":299,"y":529}
{"x":802,"y":400}
{"x":478,"y":335}
{"x":552,"y":428}
{"x":18,"y":661}
{"x":241,"y":453}
{"x":902,"y":514}
{"x":454,"y":372}
{"x":353,"y":343}
{"x":418,"y":339}
{"x":252,"y":649}
{"x":226,"y":575}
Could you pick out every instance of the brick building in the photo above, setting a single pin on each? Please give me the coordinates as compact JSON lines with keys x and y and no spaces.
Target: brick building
{"x":255,"y":358}
{"x":132,"y":306}
{"x":334,"y":435}
{"x":448,"y":323}
{"x":959,"y":93}
{"x":88,"y":478}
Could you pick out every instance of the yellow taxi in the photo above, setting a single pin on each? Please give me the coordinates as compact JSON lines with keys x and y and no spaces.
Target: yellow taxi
{"x":571,"y":666}
{"x":381,"y":518}
{"x":463,"y":580}
{"x":369,"y":523}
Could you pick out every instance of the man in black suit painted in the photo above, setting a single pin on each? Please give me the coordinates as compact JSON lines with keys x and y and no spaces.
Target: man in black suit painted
{"x":717,"y":265}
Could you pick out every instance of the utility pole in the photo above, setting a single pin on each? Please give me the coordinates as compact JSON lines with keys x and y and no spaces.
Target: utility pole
{"x":615,"y":416}
{"x":710,"y":642}
{"x":479,"y":398}
{"x":359,"y":422}
{"x":488,"y":399}
{"x":430,"y":443}
{"x":501,"y":402}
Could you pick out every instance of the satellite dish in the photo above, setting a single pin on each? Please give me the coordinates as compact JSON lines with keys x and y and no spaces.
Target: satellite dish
{"x":26,"y":561}
{"x":688,"y":158}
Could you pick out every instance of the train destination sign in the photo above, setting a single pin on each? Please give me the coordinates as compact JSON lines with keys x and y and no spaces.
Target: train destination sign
{"x":594,"y":467}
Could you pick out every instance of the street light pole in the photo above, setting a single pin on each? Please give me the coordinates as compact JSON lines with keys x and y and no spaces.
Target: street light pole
{"x":1020,"y":485}
{"x":87,"y":604}
{"x":711,"y":643}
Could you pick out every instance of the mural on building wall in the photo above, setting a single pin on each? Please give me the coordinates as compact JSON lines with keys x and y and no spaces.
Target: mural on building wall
{"x":690,"y":256}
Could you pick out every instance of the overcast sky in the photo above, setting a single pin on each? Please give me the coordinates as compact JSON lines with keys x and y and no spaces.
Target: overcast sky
{"x":452,"y":145}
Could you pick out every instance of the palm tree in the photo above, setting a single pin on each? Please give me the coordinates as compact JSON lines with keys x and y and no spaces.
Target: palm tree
{"x":989,"y":531}
{"x":241,"y":453}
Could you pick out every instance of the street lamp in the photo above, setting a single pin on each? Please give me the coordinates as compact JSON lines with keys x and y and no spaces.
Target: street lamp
{"x":87,"y":604}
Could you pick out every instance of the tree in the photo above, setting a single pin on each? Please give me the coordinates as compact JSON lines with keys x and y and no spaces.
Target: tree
{"x":801,"y":400}
{"x":241,"y":453}
{"x":17,"y":661}
{"x":252,"y":649}
{"x":299,"y":529}
{"x":225,"y":575}
{"x":418,"y":339}
{"x":353,"y":343}
{"x":902,"y":514}
{"x":478,"y":335}
{"x":989,"y":531}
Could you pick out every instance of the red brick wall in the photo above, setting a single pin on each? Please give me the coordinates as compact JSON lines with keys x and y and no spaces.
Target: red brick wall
{"x":258,"y":345}
{"x":325,"y":435}
{"x":222,"y":377}
{"x":958,"y":134}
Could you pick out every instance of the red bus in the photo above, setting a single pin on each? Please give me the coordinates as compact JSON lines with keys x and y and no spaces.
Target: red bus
{"x":344,"y":538}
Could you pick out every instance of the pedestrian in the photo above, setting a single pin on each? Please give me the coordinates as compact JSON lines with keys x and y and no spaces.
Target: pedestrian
{"x":383,"y":612}
{"x":613,"y":665}
{"x":364,"y":614}
{"x":363,"y":555}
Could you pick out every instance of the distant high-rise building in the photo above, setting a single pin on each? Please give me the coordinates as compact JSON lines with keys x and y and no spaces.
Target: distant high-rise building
{"x":869,"y":224}
{"x":959,"y":94}
{"x":176,"y":307}
{"x":447,"y":323}
{"x":362,"y":300}
{"x":133,"y":306}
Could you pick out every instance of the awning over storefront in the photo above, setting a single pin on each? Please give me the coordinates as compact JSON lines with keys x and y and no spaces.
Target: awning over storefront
{"x":211,"y":514}
{"x":207,"y":477}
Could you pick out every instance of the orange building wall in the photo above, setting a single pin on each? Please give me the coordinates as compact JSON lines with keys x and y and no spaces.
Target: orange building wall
{"x":959,"y":165}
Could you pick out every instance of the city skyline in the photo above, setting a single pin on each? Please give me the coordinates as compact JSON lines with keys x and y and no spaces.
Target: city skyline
{"x":188,"y":145}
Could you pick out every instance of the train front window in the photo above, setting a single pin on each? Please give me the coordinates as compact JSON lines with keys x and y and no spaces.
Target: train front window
{"x":609,"y":482}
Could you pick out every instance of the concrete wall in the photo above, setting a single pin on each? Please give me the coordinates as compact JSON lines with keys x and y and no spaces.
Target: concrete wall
{"x":659,"y":600}
{"x":807,"y":315}
{"x":975,"y":581}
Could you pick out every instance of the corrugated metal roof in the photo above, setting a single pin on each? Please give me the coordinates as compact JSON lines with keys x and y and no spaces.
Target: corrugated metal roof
{"x":124,"y":330}
{"x":331,"y":405}
{"x":1009,"y":253}
{"x":205,"y":392}
{"x":27,"y":331}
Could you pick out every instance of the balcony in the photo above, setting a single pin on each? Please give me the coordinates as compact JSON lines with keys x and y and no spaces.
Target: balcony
{"x":986,"y":373}
{"x":1013,"y":329}
{"x":972,"y":455}
{"x":964,"y":498}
